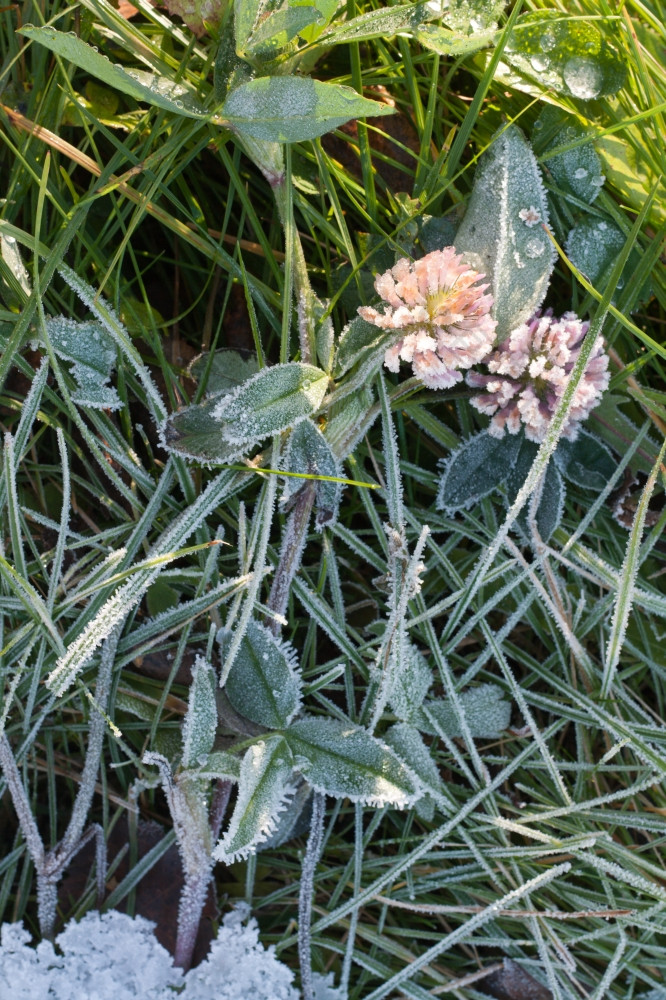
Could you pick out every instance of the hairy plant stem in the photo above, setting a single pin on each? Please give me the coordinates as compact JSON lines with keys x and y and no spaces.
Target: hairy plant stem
{"x":293,"y":543}
{"x":310,"y":860}
{"x":50,"y":865}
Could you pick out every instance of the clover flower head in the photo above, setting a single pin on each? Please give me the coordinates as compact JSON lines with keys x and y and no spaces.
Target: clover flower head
{"x":442,"y":312}
{"x":529,"y":373}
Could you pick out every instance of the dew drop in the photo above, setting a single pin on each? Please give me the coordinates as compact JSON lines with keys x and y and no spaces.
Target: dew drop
{"x":602,"y":226}
{"x":306,"y":384}
{"x":598,"y":181}
{"x":535,"y":248}
{"x":583,"y":77}
{"x":580,"y":173}
{"x":179,"y":104}
{"x":548,"y":41}
{"x":539,"y":63}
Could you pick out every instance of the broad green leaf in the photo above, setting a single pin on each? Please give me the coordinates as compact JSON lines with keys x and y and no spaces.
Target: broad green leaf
{"x":502,"y":232}
{"x":271,"y":401}
{"x":382,"y":23}
{"x":219,"y":765}
{"x":411,"y":685}
{"x":551,"y":504}
{"x":577,"y":170}
{"x":264,"y":790}
{"x":471,"y":16}
{"x":196,"y":433}
{"x":157,"y":91}
{"x":410,"y":748}
{"x":226,"y":369}
{"x":201,"y":720}
{"x":570,"y":55}
{"x":309,"y":452}
{"x":294,"y":109}
{"x":264,"y":684}
{"x":587,"y":461}
{"x":593,"y":246}
{"x":345,"y":761}
{"x":452,"y":43}
{"x":359,"y":342}
{"x":275,"y":31}
{"x":486,"y":713}
{"x":246,"y":14}
{"x":294,"y":821}
{"x":475,"y":469}
{"x":349,"y":420}
{"x":93,"y":355}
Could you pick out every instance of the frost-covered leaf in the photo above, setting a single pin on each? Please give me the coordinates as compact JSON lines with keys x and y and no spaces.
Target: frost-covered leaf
{"x":411,"y":685}
{"x":142,"y":87}
{"x":569,"y":55}
{"x":293,"y":109}
{"x":264,"y":684}
{"x":18,"y":279}
{"x":345,"y":761}
{"x":201,"y":719}
{"x":264,"y":789}
{"x":587,"y":461}
{"x":309,"y":452}
{"x":226,"y":369}
{"x":551,"y":504}
{"x":294,"y":821}
{"x":92,"y":353}
{"x":593,"y":246}
{"x":359,"y":341}
{"x":475,"y":469}
{"x":349,"y":420}
{"x":486,"y":713}
{"x":408,"y":744}
{"x":198,"y":15}
{"x":219,"y":764}
{"x":271,"y":401}
{"x":502,"y":233}
{"x":577,"y":170}
{"x":196,"y":433}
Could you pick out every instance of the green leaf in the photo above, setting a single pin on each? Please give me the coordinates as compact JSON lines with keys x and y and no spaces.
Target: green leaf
{"x":309,"y":452}
{"x":593,"y":246}
{"x":571,"y":56}
{"x":587,"y":461}
{"x":293,"y":109}
{"x":158,"y":91}
{"x":551,"y":505}
{"x":382,"y":23}
{"x":342,"y":760}
{"x":219,"y":765}
{"x":93,"y":355}
{"x":275,"y":31}
{"x":226,"y":369}
{"x":486,"y":713}
{"x":577,"y":170}
{"x":264,"y":789}
{"x":360,"y":341}
{"x":411,"y":685}
{"x":475,"y":469}
{"x":195,"y":433}
{"x":349,"y":419}
{"x":502,"y":232}
{"x":271,"y":401}
{"x":264,"y":684}
{"x":472,"y":16}
{"x":201,"y":720}
{"x":410,"y":748}
{"x":452,"y":43}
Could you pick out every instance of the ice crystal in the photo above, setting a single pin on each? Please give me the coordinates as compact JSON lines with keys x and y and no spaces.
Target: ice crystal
{"x":112,"y":956}
{"x":530,"y":371}
{"x":531,"y":216}
{"x":443,"y":312}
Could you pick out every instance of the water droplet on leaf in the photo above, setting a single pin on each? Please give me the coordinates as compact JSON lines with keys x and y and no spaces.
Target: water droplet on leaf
{"x":583,"y":77}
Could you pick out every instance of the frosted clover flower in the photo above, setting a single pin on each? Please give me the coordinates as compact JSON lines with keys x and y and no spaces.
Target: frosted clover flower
{"x":443,"y":312}
{"x":531,"y":369}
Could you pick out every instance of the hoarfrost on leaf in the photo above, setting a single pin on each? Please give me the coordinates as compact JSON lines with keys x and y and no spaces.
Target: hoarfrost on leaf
{"x":486,"y":713}
{"x":264,"y":683}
